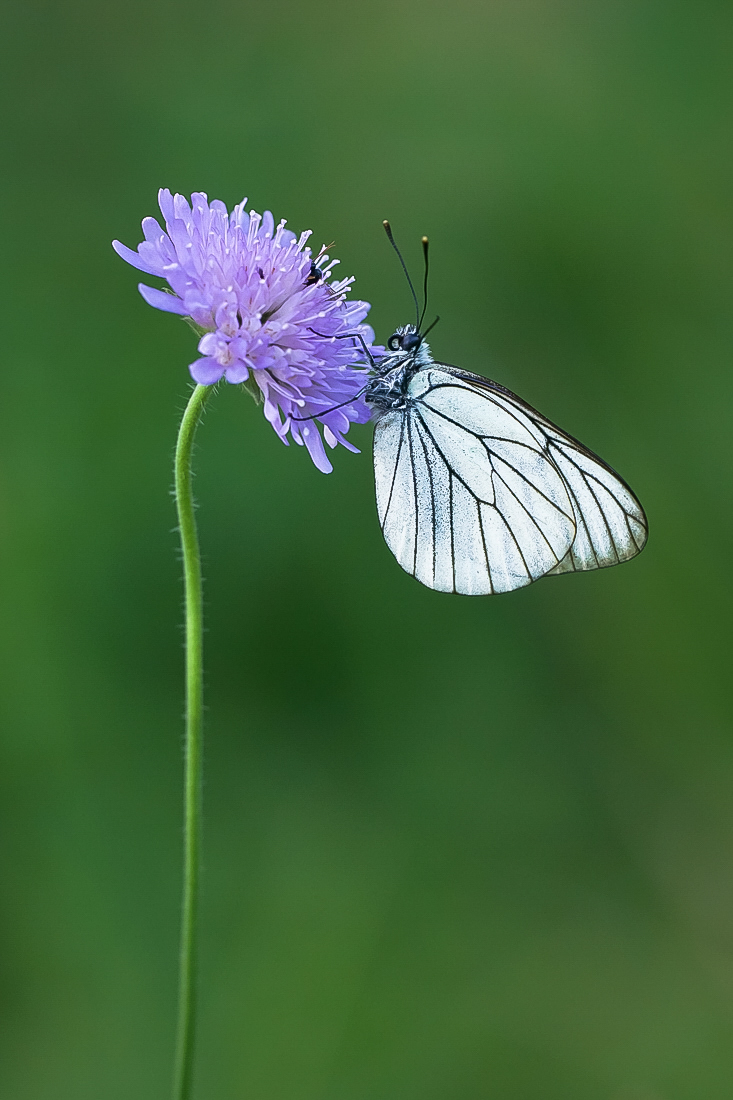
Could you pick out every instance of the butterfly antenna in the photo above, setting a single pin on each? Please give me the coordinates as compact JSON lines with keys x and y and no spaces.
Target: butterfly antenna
{"x":425,"y":243}
{"x":388,"y":231}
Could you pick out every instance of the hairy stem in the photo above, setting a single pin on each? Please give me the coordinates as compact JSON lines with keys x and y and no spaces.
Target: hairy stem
{"x":194,"y":732}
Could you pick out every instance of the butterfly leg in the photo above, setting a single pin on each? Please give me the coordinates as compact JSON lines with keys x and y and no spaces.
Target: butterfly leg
{"x":349,"y":336}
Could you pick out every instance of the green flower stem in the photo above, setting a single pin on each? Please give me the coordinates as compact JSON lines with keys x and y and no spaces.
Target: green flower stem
{"x":194,"y":732}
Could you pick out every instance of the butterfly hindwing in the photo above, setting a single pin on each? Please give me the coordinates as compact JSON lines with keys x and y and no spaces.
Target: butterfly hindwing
{"x":611,"y":526}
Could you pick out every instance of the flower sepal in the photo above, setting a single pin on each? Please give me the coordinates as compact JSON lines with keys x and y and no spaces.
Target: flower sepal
{"x":250,"y":386}
{"x":198,"y":329}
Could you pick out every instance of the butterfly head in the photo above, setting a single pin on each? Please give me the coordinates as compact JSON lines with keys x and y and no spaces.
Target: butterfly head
{"x":406,"y":338}
{"x":387,"y":388}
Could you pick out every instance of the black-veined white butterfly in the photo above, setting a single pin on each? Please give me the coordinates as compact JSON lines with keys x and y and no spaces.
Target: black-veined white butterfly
{"x":477,"y":492}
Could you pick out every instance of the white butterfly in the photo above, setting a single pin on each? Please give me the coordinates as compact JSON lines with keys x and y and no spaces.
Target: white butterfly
{"x":479,"y":493}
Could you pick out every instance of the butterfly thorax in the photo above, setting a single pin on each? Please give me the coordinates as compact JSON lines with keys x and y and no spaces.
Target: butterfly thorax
{"x":388,"y":387}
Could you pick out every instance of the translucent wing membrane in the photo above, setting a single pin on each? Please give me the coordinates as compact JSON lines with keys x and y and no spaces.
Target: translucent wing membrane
{"x":478,"y":493}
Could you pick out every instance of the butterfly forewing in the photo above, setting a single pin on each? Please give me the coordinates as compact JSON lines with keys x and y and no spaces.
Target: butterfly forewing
{"x":468,"y":500}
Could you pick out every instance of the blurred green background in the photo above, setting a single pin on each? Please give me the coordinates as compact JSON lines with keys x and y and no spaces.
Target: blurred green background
{"x":455,"y":849}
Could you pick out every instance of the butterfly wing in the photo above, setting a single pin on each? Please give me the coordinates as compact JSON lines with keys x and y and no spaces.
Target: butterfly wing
{"x":478,"y":493}
{"x":611,"y":526}
{"x":467,"y":497}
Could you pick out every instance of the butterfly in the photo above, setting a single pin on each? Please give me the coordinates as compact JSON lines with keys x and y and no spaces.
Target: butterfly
{"x":478,"y":492}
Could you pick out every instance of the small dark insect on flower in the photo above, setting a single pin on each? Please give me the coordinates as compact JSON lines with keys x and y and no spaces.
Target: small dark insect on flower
{"x":315,"y":275}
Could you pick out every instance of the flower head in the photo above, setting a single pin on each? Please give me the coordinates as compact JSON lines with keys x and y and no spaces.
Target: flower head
{"x":267,"y":311}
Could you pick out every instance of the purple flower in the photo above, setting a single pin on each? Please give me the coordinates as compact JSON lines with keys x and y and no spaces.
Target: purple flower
{"x":267,"y":312}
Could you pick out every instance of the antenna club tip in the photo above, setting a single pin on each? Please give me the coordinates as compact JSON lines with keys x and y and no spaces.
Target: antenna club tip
{"x":425,"y":240}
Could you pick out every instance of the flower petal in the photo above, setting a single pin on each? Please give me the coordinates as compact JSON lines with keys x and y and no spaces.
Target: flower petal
{"x":237,"y":372}
{"x":169,"y":303}
{"x":165,"y":202}
{"x":206,"y":371}
{"x":132,"y":258}
{"x":314,"y":443}
{"x":348,"y":445}
{"x":210,"y":343}
{"x":152,"y":230}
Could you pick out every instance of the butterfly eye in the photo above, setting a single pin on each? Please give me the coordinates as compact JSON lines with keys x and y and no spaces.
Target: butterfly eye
{"x":411,"y":341}
{"x":394,"y":343}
